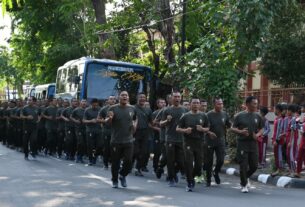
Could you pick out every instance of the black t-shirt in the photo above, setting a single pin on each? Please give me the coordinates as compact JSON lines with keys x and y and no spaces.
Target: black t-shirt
{"x":103,"y":114}
{"x":33,"y":111}
{"x":61,"y":123}
{"x":144,"y":117}
{"x":90,"y":114}
{"x":171,"y":134}
{"x":67,"y":113}
{"x":253,"y":122}
{"x":51,"y":111}
{"x":78,"y":114}
{"x":192,"y":120}
{"x":122,"y":123}
{"x":219,"y":122}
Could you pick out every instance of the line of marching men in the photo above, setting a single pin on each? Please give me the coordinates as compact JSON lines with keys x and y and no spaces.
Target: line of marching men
{"x":184,"y":136}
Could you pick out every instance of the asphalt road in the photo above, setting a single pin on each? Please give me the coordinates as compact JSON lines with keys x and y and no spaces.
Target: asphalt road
{"x":48,"y":181}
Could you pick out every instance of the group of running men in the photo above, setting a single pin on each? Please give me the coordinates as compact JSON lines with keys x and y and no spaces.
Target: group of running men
{"x":185,"y":136}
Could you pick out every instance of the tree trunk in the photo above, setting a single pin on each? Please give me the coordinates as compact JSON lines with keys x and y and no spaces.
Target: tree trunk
{"x":167,"y":30}
{"x":100,"y":15}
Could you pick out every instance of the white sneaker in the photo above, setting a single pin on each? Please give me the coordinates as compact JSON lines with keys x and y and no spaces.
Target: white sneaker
{"x":248,"y":183}
{"x":244,"y":189}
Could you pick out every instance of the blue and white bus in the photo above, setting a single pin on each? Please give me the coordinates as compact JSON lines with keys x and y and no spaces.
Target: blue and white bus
{"x":88,"y":78}
{"x":45,"y":91}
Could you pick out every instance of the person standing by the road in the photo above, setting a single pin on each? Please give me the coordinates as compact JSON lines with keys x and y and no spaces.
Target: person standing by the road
{"x":93,"y":132}
{"x":80,"y":130}
{"x":123,"y":119}
{"x":106,"y":130}
{"x":263,"y":140}
{"x":174,"y":140}
{"x":30,"y":116}
{"x":142,"y":133}
{"x":62,"y":105}
{"x":215,"y":140}
{"x":248,"y":125}
{"x":193,"y":125}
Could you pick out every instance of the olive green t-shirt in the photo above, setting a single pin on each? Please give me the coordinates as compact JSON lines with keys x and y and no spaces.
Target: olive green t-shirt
{"x":67,"y":113}
{"x":158,"y":117}
{"x":219,"y":122}
{"x":122,"y":123}
{"x":51,"y":111}
{"x":60,"y":122}
{"x":27,"y":111}
{"x":78,"y":114}
{"x":171,"y":134}
{"x":103,"y":114}
{"x":92,"y":113}
{"x":192,"y":120}
{"x":253,"y":122}
{"x":144,"y":117}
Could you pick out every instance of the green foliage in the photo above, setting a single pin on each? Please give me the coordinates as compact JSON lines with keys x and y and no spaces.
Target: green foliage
{"x":283,"y":55}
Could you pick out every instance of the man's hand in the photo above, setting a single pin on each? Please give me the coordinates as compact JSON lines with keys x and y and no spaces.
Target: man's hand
{"x":188,"y":130}
{"x":110,"y":115}
{"x":212,"y":135}
{"x":169,"y":118}
{"x":244,"y":132}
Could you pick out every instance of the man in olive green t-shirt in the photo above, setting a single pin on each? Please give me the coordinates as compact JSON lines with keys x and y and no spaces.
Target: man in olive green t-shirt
{"x":248,"y":125}
{"x":123,"y":119}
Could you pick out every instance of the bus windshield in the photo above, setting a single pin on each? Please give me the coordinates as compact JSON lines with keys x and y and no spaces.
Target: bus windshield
{"x":51,"y":91}
{"x":104,"y":80}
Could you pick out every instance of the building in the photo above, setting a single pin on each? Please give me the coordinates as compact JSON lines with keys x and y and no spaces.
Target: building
{"x":268,"y":93}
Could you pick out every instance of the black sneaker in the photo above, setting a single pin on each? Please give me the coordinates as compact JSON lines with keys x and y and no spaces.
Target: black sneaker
{"x":115,"y":184}
{"x":208,"y":184}
{"x":217,"y":178}
{"x":26,"y":158}
{"x":123,"y":181}
{"x":144,"y":169}
{"x":189,"y":187}
{"x":159,"y":173}
{"x":138,"y":173}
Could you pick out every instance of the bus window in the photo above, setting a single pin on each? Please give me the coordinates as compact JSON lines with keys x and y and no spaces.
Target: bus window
{"x":72,"y":75}
{"x":59,"y":84}
{"x":103,"y":81}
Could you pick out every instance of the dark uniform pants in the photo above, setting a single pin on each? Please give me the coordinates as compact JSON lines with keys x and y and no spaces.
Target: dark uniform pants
{"x":94,"y":144}
{"x":248,"y":162}
{"x":141,"y":147}
{"x":193,"y":158}
{"x":30,"y":135}
{"x":80,"y":142}
{"x":175,"y":159}
{"x":106,"y":149}
{"x":157,"y":147}
{"x":220,"y":154}
{"x":118,"y":152}
{"x":51,"y":140}
{"x":60,"y":141}
{"x":70,"y":142}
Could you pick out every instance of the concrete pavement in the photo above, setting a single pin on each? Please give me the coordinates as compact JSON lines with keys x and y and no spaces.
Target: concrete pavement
{"x":52,"y":182}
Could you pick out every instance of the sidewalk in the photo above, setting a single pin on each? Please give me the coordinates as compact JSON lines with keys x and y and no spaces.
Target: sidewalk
{"x":264,"y":175}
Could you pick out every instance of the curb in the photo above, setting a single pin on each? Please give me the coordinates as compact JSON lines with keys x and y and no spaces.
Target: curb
{"x":282,"y":181}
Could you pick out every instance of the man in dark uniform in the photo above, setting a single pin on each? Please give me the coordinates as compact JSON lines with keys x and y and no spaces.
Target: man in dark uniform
{"x":19,"y":124}
{"x":80,"y":130}
{"x":123,"y":118}
{"x":93,"y":132}
{"x":106,"y":130}
{"x":4,"y":123}
{"x":157,"y":147}
{"x":51,"y":126}
{"x":215,"y":139}
{"x":62,"y":105}
{"x":30,"y":116}
{"x":142,"y":133}
{"x":70,"y":138}
{"x":163,"y":158}
{"x":13,"y":125}
{"x":42,"y":132}
{"x":193,"y":125}
{"x":248,"y":125}
{"x":174,"y":140}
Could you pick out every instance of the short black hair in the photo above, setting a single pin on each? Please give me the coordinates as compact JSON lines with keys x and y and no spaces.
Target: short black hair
{"x":216,"y":98}
{"x":279,"y":107}
{"x":33,"y":98}
{"x":94,"y":100}
{"x":292,"y":108}
{"x":203,"y":100}
{"x":264,"y":110}
{"x":249,"y":99}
